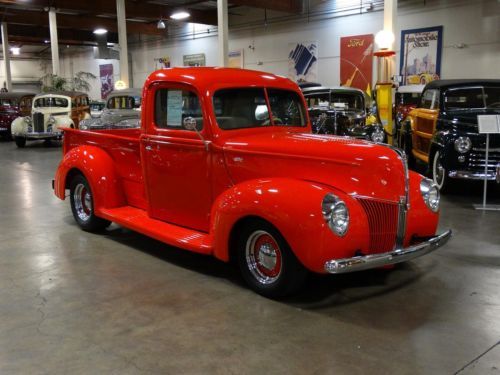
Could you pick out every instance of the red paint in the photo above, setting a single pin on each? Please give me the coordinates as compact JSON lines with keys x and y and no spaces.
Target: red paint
{"x":165,"y":184}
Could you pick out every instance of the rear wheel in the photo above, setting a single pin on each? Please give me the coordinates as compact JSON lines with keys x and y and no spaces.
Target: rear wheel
{"x":82,"y":205}
{"x":20,"y":141}
{"x":267,"y":263}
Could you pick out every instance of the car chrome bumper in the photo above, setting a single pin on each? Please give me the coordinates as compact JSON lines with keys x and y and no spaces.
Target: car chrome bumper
{"x":43,"y":135}
{"x":468,"y":175}
{"x":365,"y":262}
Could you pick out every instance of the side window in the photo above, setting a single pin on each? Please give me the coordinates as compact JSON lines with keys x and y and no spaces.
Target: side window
{"x":173,"y":106}
{"x":430,"y":99}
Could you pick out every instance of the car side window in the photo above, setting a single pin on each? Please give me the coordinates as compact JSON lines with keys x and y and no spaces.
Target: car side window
{"x":430,"y":99}
{"x":174,"y":106}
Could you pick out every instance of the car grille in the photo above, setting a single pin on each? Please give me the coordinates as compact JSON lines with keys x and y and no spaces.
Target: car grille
{"x":383,"y":223}
{"x":38,"y":122}
{"x":477,"y":160}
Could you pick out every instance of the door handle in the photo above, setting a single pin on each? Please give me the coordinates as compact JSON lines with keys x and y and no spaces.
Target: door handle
{"x":149,"y":148}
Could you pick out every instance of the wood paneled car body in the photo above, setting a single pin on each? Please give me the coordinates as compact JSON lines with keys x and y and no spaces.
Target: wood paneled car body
{"x":51,"y":112}
{"x":443,"y":130}
{"x":225,"y":164}
{"x":12,"y":106}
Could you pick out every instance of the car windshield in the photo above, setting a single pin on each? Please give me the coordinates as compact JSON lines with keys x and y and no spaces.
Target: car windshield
{"x":472,"y":98}
{"x":407,"y":98}
{"x":247,"y":108}
{"x":97,"y":106}
{"x":51,"y":102}
{"x":7,"y":102}
{"x":124,"y":102}
{"x":336,"y":101}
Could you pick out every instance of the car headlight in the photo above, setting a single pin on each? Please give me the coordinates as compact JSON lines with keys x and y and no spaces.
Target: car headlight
{"x":336,"y":214}
{"x":51,"y":120}
{"x":377,"y":135}
{"x":28,"y":119}
{"x":430,"y":194}
{"x":463,"y":144}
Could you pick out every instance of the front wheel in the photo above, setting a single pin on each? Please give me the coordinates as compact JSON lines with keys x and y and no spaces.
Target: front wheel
{"x":439,"y":173}
{"x":82,"y":205}
{"x":267,"y":263}
{"x":20,"y":141}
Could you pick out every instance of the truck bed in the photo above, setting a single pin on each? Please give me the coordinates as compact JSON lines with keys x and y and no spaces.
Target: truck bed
{"x":123,"y":146}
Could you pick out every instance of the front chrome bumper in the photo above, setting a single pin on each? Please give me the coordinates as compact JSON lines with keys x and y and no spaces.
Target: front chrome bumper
{"x":43,"y":135}
{"x":467,"y":175}
{"x":365,"y":262}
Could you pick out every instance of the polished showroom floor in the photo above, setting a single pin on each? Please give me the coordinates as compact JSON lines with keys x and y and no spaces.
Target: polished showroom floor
{"x":120,"y":303}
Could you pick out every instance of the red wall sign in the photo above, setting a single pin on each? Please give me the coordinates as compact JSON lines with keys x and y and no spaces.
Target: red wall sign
{"x":356,"y":58}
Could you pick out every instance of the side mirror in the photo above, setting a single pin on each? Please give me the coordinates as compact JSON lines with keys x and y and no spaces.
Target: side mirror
{"x":189,"y":123}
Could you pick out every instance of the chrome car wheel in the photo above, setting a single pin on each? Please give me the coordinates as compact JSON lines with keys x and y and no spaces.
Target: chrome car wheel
{"x":438,"y":171}
{"x":83,"y":202}
{"x":263,"y":257}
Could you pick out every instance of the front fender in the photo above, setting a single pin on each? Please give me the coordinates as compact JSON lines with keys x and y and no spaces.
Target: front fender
{"x":294,"y":208}
{"x":99,"y":170}
{"x":64,"y":122}
{"x":19,"y":126}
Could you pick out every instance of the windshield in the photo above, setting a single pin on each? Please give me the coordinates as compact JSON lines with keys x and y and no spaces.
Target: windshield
{"x":337,"y":101}
{"x":407,"y":98}
{"x":124,"y":102}
{"x":51,"y":102}
{"x":97,"y":106}
{"x":247,"y":108}
{"x":472,"y":98}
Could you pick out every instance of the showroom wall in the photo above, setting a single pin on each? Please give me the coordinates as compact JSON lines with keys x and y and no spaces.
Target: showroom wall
{"x":471,"y":42}
{"x":26,"y":72}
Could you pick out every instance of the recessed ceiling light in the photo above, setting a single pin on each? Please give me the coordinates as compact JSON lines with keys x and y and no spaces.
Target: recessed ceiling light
{"x":100,"y":31}
{"x":15,"y":50}
{"x":46,"y":41}
{"x":180,"y":15}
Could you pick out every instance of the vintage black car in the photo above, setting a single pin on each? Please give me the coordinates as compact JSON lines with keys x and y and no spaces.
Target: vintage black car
{"x":443,"y":133}
{"x":342,"y":111}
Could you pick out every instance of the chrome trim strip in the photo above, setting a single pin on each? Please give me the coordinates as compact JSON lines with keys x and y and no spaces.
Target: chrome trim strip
{"x":365,"y":262}
{"x":468,"y":175}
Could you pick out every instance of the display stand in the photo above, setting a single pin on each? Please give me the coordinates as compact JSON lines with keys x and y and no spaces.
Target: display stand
{"x":488,"y":124}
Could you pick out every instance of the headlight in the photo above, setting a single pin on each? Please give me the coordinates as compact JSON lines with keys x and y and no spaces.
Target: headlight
{"x":430,"y":194}
{"x":377,"y":136}
{"x":463,"y":144}
{"x":28,"y":119}
{"x":51,"y":120}
{"x":336,"y":214}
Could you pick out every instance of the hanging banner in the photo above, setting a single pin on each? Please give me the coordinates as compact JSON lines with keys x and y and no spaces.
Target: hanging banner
{"x":303,"y":62}
{"x":420,"y":61}
{"x":106,"y":75}
{"x":356,"y":62}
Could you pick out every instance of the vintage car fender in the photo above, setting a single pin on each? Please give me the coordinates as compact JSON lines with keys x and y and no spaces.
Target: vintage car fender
{"x":19,"y":126}
{"x":99,"y":170}
{"x":63,"y":122}
{"x":294,"y":208}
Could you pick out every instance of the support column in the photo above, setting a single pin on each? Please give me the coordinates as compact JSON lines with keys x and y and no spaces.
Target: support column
{"x":390,"y":13}
{"x":222,"y":30}
{"x":122,"y":40}
{"x":54,"y":41}
{"x":6,"y":56}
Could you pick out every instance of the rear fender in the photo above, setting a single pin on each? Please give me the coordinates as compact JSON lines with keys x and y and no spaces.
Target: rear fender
{"x":294,"y":208}
{"x":99,"y":170}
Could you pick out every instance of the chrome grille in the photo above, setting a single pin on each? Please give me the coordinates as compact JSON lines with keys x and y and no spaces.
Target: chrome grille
{"x":383,"y":220}
{"x":477,"y":160}
{"x":38,"y":122}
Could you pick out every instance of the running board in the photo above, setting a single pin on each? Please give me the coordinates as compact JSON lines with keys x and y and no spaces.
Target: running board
{"x":139,"y":221}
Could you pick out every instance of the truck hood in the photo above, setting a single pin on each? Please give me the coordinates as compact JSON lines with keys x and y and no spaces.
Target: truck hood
{"x":467,"y":119}
{"x":353,"y":166}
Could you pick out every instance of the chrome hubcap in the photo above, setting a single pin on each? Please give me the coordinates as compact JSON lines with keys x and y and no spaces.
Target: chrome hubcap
{"x":439,"y":171}
{"x":263,"y":257}
{"x":83,"y":202}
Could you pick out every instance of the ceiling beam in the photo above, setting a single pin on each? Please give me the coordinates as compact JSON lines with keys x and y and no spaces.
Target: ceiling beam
{"x":288,"y":6}
{"x":75,"y":22}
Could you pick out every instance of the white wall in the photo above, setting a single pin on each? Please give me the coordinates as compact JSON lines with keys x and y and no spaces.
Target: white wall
{"x":25,"y":70}
{"x":473,"y":23}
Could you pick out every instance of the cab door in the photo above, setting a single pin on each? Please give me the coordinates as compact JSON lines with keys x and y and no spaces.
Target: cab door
{"x":177,"y":162}
{"x":424,"y":124}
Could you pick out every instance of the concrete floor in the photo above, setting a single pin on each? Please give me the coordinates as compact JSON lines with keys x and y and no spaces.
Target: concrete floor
{"x":121,"y":303}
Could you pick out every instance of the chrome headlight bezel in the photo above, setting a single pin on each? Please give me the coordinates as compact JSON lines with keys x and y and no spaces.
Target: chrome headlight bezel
{"x":430,"y":194}
{"x":51,"y":120}
{"x":28,"y":119}
{"x":377,"y":135}
{"x":336,"y":214}
{"x":463,"y":145}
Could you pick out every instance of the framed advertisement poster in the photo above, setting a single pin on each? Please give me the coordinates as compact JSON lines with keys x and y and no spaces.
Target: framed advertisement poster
{"x":235,"y":59}
{"x":197,"y":59}
{"x":106,"y":77}
{"x":420,"y":61}
{"x":303,"y":62}
{"x":356,"y":61}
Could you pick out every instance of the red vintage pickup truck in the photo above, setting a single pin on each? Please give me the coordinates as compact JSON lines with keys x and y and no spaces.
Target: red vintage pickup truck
{"x":225,"y":164}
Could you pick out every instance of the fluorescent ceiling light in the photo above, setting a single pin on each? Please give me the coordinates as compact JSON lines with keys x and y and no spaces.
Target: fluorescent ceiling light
{"x":100,"y":31}
{"x":15,"y":50}
{"x":180,"y":15}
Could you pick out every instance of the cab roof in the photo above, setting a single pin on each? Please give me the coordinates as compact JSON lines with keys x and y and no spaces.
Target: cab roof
{"x":213,"y":78}
{"x":71,"y":94}
{"x":124,"y":92}
{"x":449,"y":83}
{"x":337,"y":89}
